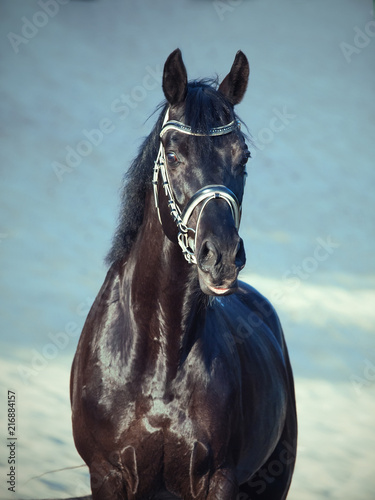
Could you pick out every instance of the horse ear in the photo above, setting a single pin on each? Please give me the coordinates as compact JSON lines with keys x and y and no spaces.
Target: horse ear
{"x":234,"y":85}
{"x":175,"y":78}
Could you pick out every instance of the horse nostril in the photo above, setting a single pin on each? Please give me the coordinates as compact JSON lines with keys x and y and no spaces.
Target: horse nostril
{"x":208,"y":256}
{"x":240,"y":259}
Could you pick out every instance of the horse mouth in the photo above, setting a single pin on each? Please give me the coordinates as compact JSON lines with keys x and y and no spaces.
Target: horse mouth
{"x":218,"y":291}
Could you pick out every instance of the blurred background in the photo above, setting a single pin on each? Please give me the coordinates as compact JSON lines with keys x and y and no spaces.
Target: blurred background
{"x":79,"y":83}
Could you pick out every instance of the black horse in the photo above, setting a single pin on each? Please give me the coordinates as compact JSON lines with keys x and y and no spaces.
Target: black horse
{"x":181,"y":385}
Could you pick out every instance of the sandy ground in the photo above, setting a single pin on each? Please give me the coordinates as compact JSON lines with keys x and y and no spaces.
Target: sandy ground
{"x":72,"y":67}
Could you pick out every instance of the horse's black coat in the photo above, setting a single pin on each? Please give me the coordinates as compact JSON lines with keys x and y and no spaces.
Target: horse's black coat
{"x":181,"y":385}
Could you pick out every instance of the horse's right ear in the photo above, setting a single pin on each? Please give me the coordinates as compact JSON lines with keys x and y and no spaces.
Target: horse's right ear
{"x":175,"y":78}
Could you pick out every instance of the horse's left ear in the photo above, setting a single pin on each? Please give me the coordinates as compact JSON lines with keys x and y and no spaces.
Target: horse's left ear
{"x":234,"y":85}
{"x":175,"y":78}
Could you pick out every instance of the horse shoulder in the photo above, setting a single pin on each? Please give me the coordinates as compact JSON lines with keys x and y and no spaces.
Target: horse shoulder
{"x":98,"y":337}
{"x":262,"y":308}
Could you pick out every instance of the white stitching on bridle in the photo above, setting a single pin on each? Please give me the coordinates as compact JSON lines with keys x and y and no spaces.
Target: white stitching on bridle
{"x":205,"y":194}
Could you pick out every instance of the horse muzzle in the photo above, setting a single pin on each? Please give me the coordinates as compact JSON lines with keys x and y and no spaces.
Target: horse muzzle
{"x":219,"y":253}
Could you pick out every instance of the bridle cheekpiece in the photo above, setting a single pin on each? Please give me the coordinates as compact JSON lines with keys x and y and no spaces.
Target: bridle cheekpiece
{"x":204,"y":195}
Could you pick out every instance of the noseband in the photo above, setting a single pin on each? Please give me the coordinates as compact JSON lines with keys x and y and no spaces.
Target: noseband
{"x":203,"y":195}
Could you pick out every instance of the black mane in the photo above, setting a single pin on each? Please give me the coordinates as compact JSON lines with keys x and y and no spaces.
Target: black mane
{"x":204,"y":109}
{"x":136,"y":182}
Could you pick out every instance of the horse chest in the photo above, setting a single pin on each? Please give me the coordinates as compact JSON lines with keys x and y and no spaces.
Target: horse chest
{"x":193,"y":405}
{"x":178,"y":437}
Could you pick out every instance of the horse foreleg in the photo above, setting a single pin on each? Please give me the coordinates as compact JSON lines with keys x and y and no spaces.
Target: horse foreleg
{"x":223,"y":485}
{"x":106,"y":482}
{"x":117,"y":480}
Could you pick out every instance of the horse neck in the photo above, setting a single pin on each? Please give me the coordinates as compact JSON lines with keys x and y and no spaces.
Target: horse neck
{"x":164,"y":290}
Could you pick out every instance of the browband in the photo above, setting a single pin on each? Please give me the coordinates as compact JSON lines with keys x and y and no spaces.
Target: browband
{"x":185,"y":129}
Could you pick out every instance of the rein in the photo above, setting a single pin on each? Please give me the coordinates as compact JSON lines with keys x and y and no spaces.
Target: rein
{"x":206,"y":194}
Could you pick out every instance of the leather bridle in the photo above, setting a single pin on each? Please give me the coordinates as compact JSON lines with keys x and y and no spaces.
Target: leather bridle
{"x":204,"y":195}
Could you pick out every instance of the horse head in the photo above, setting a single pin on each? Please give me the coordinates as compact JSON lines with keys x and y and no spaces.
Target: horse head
{"x":202,"y":159}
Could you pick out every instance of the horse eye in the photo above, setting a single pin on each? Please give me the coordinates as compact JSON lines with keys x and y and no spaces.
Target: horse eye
{"x":172,"y":159}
